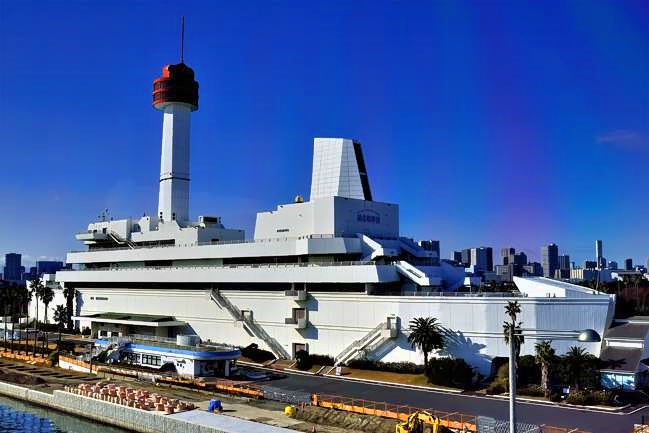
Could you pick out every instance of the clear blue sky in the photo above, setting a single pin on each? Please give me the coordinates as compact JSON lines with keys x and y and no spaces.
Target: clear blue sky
{"x":490,"y":122}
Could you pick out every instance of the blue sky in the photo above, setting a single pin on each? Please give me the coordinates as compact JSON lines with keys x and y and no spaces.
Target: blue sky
{"x":490,"y":122}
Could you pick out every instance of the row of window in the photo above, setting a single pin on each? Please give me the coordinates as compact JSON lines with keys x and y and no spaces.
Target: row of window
{"x":151,"y":360}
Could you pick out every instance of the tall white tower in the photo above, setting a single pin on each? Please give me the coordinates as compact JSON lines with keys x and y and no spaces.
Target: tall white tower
{"x":175,"y":93}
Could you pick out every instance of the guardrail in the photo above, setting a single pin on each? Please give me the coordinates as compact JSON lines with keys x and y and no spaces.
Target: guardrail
{"x":201,"y":244}
{"x":242,"y":266}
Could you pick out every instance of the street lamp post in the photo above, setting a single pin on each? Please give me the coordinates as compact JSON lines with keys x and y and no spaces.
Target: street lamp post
{"x":585,"y":336}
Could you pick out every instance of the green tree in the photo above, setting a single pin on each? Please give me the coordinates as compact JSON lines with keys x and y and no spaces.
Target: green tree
{"x":513,"y":309}
{"x":70,"y":294}
{"x":47,"y":296}
{"x":61,"y":318}
{"x":575,"y":360}
{"x":426,"y":335}
{"x":36,"y":289}
{"x":23,"y":297}
{"x":545,"y":356}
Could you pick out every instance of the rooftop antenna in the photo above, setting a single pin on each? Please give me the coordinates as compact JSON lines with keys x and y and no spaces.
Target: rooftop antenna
{"x":182,"y":39}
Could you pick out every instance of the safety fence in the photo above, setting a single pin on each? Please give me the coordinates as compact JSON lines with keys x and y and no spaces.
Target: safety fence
{"x":452,"y":420}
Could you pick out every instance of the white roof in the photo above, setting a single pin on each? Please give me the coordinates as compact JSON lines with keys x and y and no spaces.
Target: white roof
{"x":549,"y":288}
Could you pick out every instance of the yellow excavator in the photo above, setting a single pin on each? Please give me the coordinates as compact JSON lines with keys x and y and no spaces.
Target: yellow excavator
{"x":417,"y":421}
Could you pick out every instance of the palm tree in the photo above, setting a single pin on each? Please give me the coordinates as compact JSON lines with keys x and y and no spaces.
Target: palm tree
{"x":70,"y":293}
{"x":545,"y":356}
{"x":426,"y":335}
{"x":513,"y":309}
{"x":16,"y":306}
{"x":36,"y":288}
{"x":575,"y":359}
{"x":60,"y":317}
{"x":47,"y":296}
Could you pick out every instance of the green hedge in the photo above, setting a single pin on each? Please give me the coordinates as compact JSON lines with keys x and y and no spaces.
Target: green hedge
{"x":255,"y":354}
{"x":321,"y":360}
{"x":453,"y":372}
{"x":393,"y":367}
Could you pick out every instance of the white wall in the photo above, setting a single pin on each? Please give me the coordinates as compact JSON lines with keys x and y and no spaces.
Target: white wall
{"x":337,"y":319}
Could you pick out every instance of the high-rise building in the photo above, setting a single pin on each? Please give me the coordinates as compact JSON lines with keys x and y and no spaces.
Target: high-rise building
{"x":48,"y":267}
{"x":457,"y":256}
{"x":482,"y":259}
{"x":564,"y":266}
{"x":550,"y":260}
{"x":428,"y":245}
{"x":533,"y":269}
{"x":507,"y":255}
{"x":612,"y":264}
{"x":590,"y":264}
{"x":12,"y":267}
{"x":466,"y":258}
{"x":520,"y":259}
{"x":598,"y":253}
{"x":628,"y":265}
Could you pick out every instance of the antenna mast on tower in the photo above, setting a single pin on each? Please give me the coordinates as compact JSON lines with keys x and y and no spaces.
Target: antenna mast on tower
{"x":182,"y":39}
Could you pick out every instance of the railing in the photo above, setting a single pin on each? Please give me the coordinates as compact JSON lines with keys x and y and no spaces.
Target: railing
{"x":170,"y":343}
{"x":253,"y":326}
{"x":456,"y":294}
{"x":359,"y":344}
{"x":200,"y":244}
{"x":242,"y":266}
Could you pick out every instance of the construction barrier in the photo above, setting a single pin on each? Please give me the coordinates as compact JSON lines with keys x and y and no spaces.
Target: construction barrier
{"x":454,"y":420}
{"x":35,"y":360}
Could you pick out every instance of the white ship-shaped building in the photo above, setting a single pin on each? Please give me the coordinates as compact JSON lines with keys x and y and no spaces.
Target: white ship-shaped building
{"x":331,"y":274}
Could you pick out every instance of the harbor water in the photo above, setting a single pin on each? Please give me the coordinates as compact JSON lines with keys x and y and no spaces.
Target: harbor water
{"x":18,"y":417}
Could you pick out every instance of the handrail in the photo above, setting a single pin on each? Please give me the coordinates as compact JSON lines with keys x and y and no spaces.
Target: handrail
{"x":358,"y":344}
{"x":201,"y":244}
{"x":242,"y":266}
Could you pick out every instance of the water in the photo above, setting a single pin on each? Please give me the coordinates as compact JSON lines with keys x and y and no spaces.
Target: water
{"x":18,"y":417}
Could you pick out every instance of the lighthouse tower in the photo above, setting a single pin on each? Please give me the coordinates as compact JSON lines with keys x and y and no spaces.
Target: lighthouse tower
{"x":175,"y":93}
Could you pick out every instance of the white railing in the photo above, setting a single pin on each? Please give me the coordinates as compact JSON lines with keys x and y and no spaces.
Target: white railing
{"x":358,"y":345}
{"x":241,"y":266}
{"x":200,"y":244}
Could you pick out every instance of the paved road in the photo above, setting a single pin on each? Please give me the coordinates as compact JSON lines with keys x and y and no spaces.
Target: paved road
{"x":589,"y":420}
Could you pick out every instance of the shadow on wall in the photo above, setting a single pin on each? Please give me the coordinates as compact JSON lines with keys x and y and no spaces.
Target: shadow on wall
{"x":456,"y":345}
{"x":401,"y":342}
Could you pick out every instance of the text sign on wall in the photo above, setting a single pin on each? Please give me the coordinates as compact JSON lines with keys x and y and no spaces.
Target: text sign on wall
{"x":368,"y":216}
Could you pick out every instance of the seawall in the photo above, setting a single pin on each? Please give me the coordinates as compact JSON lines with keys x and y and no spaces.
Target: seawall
{"x":120,"y":416}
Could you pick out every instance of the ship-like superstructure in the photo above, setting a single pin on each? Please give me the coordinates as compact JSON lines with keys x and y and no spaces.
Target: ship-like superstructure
{"x":331,"y":274}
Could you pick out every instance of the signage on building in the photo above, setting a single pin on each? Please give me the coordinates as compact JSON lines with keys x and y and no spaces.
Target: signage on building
{"x":368,"y":216}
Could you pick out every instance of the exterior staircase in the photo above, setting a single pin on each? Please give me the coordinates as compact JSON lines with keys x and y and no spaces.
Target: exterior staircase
{"x":120,"y":241}
{"x":249,"y":322}
{"x":383,"y":332}
{"x":412,"y":273}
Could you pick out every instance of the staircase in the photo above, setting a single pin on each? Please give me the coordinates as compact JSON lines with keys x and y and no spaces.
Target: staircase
{"x":370,"y":342}
{"x":255,"y":328}
{"x":374,"y":249}
{"x":413,"y":248}
{"x":119,"y":240}
{"x":412,"y":273}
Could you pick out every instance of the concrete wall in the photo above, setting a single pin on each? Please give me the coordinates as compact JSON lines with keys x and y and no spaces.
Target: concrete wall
{"x":338,"y":319}
{"x":121,"y":416}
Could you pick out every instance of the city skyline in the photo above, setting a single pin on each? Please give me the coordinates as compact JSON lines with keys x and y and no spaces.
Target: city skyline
{"x":463,"y":128}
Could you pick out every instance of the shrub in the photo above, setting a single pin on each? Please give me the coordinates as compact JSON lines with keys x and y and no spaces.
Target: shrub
{"x":321,"y":360}
{"x":496,"y":387}
{"x":86,"y":331}
{"x":603,"y":398}
{"x":532,"y":391}
{"x":579,"y":397}
{"x":303,"y":360}
{"x":529,"y":372}
{"x":255,"y":354}
{"x":54,"y":358}
{"x":394,"y":367}
{"x":453,"y":372}
{"x":555,"y":397}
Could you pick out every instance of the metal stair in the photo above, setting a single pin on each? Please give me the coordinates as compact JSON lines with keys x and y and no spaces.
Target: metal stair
{"x":119,"y":240}
{"x":249,"y":322}
{"x":370,"y":342}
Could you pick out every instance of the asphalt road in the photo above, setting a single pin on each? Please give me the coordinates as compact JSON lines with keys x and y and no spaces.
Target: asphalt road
{"x":534,"y":413}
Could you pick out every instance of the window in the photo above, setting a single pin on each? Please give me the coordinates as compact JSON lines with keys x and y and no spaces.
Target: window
{"x":299,"y":313}
{"x":151,"y":360}
{"x":133,"y":358}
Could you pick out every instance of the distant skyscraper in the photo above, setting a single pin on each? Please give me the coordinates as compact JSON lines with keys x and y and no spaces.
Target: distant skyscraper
{"x":550,"y":260}
{"x":482,"y":258}
{"x":466,"y":257}
{"x":507,"y":255}
{"x":564,"y":266}
{"x":457,"y":256}
{"x":48,"y":267}
{"x":590,"y":264}
{"x":598,"y":250}
{"x":628,"y":264}
{"x":520,"y":259}
{"x":612,"y":264}
{"x":533,"y":269}
{"x":12,"y":267}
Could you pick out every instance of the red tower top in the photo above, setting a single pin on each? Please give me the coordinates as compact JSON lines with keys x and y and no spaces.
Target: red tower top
{"x":177,"y":84}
